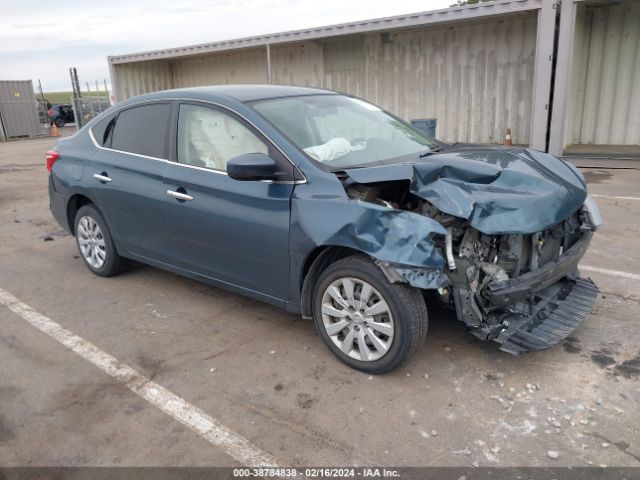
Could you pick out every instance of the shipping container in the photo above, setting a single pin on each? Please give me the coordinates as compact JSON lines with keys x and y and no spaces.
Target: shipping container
{"x":18,"y":109}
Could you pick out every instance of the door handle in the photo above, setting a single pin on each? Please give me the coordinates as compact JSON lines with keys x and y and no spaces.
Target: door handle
{"x":179,"y":195}
{"x":101,"y":177}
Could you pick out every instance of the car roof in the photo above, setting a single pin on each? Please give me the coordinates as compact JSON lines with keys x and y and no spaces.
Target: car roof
{"x":241,"y":93}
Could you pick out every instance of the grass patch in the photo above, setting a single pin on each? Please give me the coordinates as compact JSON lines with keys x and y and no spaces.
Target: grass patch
{"x":65,"y":97}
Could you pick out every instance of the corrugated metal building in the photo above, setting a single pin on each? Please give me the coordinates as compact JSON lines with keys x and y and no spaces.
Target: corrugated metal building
{"x":477,"y":69}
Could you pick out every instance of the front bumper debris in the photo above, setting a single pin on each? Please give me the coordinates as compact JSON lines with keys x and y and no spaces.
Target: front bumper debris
{"x":527,"y":284}
{"x":563,"y":308}
{"x":524,"y":292}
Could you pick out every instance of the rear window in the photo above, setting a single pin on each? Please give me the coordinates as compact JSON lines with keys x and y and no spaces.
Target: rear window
{"x":142,"y":130}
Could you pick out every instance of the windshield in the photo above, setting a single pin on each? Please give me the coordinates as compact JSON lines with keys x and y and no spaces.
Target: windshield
{"x":344,"y":132}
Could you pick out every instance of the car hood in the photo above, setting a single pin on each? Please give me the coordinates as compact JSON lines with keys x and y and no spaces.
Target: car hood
{"x":498,"y":190}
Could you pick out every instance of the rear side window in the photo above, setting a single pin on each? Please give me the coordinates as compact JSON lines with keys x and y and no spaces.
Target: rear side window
{"x":142,"y":130}
{"x":102,"y":129}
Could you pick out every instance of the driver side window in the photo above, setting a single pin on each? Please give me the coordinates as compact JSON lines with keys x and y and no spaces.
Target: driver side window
{"x":209,"y":138}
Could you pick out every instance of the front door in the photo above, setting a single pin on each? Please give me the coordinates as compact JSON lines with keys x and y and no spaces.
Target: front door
{"x":236,"y":232}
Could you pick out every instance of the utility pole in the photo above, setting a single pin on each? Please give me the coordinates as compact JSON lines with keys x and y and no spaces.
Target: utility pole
{"x":75,"y":84}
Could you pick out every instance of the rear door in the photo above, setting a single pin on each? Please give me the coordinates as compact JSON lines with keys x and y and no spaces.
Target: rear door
{"x":234,"y":231}
{"x":127,"y":176}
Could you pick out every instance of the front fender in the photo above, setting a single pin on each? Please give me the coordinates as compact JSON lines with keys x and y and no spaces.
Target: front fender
{"x":400,"y":242}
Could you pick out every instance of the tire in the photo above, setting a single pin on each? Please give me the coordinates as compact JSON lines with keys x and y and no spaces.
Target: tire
{"x":59,"y":122}
{"x":95,"y":244}
{"x":400,"y":326}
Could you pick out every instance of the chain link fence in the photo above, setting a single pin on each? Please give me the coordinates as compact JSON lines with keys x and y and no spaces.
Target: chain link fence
{"x":86,"y":108}
{"x":43,"y":115}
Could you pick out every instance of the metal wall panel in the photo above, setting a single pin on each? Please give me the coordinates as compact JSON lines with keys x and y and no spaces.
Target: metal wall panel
{"x":345,"y":63}
{"x":576,"y":86}
{"x":605,"y":101}
{"x":18,"y":109}
{"x":476,"y":79}
{"x":143,"y":77}
{"x":244,"y":66}
{"x":298,"y":64}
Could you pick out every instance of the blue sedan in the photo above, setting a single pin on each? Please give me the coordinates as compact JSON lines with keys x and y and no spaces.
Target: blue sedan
{"x":326,"y":205}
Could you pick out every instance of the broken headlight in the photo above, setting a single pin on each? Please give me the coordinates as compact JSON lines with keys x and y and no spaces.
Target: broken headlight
{"x":592,"y":210}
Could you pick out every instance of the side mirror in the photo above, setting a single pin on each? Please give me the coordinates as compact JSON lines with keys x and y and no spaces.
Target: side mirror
{"x":252,"y":166}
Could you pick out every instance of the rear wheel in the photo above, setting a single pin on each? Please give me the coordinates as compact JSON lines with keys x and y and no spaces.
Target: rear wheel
{"x":59,"y":122}
{"x":95,"y":243}
{"x":367,"y":322}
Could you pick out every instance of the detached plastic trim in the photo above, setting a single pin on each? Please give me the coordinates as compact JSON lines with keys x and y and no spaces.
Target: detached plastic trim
{"x":595,"y":217}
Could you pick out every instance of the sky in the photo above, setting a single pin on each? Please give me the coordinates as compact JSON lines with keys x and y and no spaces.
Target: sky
{"x":40,"y":40}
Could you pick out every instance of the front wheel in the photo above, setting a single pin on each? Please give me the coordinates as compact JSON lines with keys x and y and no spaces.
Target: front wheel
{"x":367,"y":322}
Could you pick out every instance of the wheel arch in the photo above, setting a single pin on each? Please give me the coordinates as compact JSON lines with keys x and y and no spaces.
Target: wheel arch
{"x":319,"y":259}
{"x":76,"y":201}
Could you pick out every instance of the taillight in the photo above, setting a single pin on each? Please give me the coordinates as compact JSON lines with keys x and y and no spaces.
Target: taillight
{"x":50,"y":112}
{"x":51,"y":157}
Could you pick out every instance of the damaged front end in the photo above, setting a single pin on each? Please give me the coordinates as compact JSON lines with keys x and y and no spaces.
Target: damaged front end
{"x":524,"y":291}
{"x":510,"y":269}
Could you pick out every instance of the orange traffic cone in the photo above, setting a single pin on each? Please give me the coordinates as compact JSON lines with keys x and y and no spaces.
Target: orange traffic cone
{"x":507,"y":137}
{"x":54,"y":130}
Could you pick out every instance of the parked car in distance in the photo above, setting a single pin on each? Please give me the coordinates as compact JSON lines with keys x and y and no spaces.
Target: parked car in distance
{"x":326,"y":205}
{"x":61,"y":113}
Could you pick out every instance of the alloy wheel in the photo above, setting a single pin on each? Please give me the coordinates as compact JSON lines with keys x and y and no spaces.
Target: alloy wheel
{"x":91,"y":242}
{"x":357,"y":319}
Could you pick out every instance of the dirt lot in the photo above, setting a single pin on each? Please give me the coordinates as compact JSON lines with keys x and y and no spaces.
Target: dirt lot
{"x":266,"y":375}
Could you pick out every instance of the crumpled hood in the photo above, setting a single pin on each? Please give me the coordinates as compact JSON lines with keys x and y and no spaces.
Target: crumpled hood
{"x":498,"y":190}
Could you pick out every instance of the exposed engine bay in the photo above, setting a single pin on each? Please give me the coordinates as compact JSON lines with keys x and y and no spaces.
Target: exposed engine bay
{"x":508,"y":287}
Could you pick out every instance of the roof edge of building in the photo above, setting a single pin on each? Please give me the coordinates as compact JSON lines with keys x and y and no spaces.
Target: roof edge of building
{"x":466,"y":12}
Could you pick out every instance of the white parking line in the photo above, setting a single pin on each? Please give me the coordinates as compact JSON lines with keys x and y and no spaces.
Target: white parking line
{"x":192,"y":417}
{"x":617,"y":273}
{"x":613,"y":197}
